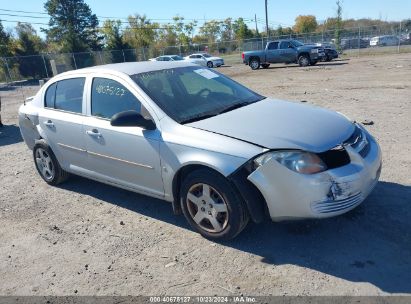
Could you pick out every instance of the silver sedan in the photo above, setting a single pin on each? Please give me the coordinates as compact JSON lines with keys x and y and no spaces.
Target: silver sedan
{"x":220,"y":153}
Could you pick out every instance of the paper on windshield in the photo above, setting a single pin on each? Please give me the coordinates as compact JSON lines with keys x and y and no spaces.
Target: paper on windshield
{"x":206,"y":73}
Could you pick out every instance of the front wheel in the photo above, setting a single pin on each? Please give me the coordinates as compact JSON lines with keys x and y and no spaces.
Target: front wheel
{"x":210,"y":64}
{"x":47,"y":165}
{"x":212,"y":206}
{"x":254,"y":64}
{"x":304,"y":61}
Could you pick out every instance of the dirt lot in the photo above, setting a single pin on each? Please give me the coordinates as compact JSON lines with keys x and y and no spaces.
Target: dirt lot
{"x":68,"y":240}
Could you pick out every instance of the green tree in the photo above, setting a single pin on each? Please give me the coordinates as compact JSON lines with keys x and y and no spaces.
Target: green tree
{"x":141,"y":32}
{"x":211,"y":30}
{"x":113,"y":40}
{"x":183,"y":31}
{"x":72,"y":25}
{"x":28,"y":43}
{"x":227,"y":31}
{"x":112,"y":36}
{"x":241,"y":30}
{"x":305,"y":24}
{"x":5,"y":43}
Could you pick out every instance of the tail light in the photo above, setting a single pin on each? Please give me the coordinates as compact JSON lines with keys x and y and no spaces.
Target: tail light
{"x":242,"y":55}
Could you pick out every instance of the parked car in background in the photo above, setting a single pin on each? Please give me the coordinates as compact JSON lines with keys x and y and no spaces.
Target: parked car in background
{"x":167,"y":58}
{"x":284,"y":51}
{"x":386,"y":40}
{"x":218,"y":152}
{"x":354,"y":43}
{"x":205,"y":60}
{"x":329,"y":50}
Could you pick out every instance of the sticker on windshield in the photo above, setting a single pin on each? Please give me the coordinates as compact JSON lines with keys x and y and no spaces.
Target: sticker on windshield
{"x":206,"y":73}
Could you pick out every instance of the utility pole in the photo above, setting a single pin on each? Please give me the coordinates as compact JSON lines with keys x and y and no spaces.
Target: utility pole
{"x":266,"y":20}
{"x":255,"y":19}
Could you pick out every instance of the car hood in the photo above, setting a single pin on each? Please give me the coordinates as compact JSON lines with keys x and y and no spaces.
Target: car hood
{"x":277,"y":124}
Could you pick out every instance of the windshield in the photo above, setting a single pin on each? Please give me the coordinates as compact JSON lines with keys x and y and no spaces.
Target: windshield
{"x":189,"y":94}
{"x":207,"y":55}
{"x":177,"y":58}
{"x":297,"y":43}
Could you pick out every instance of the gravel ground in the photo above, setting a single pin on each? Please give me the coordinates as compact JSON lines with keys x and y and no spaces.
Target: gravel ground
{"x":87,"y":238}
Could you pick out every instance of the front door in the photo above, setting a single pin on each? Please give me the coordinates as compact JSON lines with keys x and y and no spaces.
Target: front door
{"x":287,"y":52}
{"x":127,"y":156}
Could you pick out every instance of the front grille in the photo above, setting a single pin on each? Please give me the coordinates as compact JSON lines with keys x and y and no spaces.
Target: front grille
{"x":335,"y":158}
{"x":338,"y":205}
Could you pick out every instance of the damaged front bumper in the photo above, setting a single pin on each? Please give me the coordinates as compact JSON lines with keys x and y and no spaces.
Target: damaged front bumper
{"x":291,"y":195}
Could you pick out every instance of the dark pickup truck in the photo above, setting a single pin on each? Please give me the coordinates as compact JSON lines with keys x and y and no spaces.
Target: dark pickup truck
{"x":284,"y":51}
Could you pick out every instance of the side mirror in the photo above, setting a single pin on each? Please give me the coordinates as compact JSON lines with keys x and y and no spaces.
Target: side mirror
{"x":132,"y":119}
{"x":290,"y":46}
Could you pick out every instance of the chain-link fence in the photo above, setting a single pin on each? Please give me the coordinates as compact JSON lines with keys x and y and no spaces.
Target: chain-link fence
{"x":353,"y":42}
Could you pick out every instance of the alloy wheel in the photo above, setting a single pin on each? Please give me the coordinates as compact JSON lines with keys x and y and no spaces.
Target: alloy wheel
{"x":207,"y":208}
{"x":44,"y":164}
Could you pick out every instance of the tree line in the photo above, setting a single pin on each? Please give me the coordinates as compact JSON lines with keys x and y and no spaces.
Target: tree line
{"x":73,"y":27}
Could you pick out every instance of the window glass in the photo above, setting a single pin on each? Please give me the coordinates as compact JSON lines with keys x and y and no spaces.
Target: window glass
{"x":273,"y":45}
{"x":284,"y":44}
{"x":69,"y":95}
{"x":109,"y":97}
{"x":50,"y":96}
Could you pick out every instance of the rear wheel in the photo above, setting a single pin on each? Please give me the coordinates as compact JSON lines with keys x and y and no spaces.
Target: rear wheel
{"x":47,"y":165}
{"x":255,"y":63}
{"x":210,"y":64}
{"x":212,"y":206}
{"x":265,"y":65}
{"x":304,"y":60}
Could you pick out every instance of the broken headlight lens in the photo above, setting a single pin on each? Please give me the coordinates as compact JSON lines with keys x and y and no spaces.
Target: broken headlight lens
{"x":297,"y":161}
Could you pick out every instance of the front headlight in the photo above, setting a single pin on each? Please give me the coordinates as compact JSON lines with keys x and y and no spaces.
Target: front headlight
{"x":297,"y":161}
{"x":314,"y":51}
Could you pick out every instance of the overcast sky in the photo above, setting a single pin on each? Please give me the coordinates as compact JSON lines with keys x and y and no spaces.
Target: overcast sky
{"x":280,"y":12}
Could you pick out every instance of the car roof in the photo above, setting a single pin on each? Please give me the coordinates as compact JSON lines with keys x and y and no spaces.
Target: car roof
{"x":131,"y":68}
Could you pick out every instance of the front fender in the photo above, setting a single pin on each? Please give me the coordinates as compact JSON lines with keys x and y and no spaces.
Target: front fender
{"x":176,"y":156}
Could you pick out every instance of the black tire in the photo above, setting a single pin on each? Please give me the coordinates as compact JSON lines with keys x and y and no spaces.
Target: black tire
{"x":254,"y":63}
{"x":56,"y":174}
{"x":231,"y":221}
{"x":210,"y":64}
{"x":304,"y":60}
{"x":265,"y":65}
{"x":328,"y":58}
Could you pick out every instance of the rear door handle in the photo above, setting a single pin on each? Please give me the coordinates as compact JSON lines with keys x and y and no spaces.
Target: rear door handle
{"x":49,"y":123}
{"x":94,"y":133}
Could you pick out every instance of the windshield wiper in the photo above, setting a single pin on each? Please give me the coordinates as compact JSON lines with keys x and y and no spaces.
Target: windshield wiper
{"x":197,"y":118}
{"x":239,"y":105}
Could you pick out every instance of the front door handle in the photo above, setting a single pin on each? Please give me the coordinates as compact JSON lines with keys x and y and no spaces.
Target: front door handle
{"x":49,"y":123}
{"x":94,"y":133}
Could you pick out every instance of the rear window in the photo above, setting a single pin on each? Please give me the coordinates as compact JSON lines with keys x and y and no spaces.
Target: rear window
{"x":66,"y":95}
{"x":273,"y":45}
{"x":50,"y":96}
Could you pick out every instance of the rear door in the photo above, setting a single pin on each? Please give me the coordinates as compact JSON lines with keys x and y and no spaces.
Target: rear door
{"x":273,"y":53}
{"x":62,"y":121}
{"x":127,"y":156}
